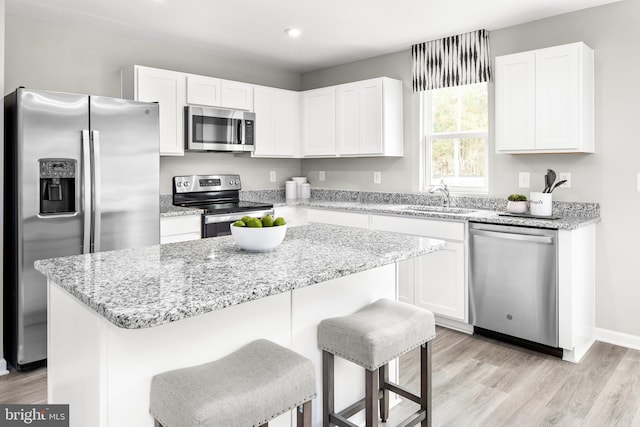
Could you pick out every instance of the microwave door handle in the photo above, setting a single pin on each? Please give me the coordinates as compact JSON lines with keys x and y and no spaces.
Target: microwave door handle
{"x":239,"y":132}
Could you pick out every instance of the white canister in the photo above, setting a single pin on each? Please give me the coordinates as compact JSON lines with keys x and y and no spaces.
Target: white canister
{"x":305,"y":191}
{"x":291,"y":190}
{"x":299,"y":180}
{"x":540,"y":204}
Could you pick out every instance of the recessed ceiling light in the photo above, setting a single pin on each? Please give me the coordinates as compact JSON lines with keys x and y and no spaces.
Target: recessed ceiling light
{"x":293,"y":32}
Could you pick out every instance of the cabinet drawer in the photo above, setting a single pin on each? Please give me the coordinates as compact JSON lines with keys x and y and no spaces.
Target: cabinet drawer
{"x":349,"y":219}
{"x":187,"y":224}
{"x":449,"y":230}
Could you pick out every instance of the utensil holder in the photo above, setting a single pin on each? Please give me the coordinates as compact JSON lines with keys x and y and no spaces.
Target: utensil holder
{"x":540,"y":204}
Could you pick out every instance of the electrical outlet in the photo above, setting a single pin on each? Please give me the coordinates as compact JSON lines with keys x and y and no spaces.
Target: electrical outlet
{"x":524,"y":180}
{"x":567,"y":176}
{"x":377,"y":177}
{"x":272,"y":176}
{"x":638,"y":183}
{"x":321,"y":176}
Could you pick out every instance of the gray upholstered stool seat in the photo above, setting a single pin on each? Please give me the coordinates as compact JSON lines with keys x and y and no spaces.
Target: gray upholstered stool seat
{"x":249,"y":387}
{"x":371,"y":338}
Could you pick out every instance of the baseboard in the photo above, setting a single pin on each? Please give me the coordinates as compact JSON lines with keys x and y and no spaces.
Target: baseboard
{"x":3,"y":367}
{"x":618,"y":338}
{"x":454,"y":324}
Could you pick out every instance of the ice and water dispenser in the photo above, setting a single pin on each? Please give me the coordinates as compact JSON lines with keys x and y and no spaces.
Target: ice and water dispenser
{"x":57,"y":186}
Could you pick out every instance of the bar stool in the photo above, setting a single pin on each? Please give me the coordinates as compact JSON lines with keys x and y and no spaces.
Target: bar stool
{"x":371,"y":338}
{"x":249,"y":387}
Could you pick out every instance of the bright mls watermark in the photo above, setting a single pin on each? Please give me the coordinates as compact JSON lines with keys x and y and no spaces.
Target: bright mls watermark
{"x":34,"y":415}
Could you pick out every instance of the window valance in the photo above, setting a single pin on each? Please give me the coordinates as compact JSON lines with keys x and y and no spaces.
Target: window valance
{"x":451,"y":61}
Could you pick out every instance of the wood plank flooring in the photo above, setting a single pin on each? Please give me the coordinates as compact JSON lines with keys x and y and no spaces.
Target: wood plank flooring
{"x":482,"y":382}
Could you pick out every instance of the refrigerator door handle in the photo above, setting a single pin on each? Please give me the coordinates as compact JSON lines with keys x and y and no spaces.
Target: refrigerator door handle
{"x":86,"y":192}
{"x":95,"y":190}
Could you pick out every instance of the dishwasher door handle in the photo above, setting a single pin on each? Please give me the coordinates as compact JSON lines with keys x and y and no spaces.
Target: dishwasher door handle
{"x":512,"y":236}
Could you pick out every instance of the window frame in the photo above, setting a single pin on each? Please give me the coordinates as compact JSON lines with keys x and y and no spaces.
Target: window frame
{"x":426,"y":147}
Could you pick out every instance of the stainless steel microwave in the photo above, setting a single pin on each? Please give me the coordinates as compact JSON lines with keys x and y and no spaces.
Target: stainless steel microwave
{"x":214,"y":129}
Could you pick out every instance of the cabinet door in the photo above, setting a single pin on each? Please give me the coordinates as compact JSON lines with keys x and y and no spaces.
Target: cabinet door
{"x":370,"y":117}
{"x":557,"y":98}
{"x":348,"y":119}
{"x":236,"y":95}
{"x":203,"y":90}
{"x":319,"y":122}
{"x":359,"y":123}
{"x":180,"y":228}
{"x":515,"y":102}
{"x":167,"y":88}
{"x":440,"y":283}
{"x":277,"y":122}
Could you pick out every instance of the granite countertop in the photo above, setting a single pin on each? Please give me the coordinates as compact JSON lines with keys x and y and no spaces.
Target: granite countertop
{"x":167,"y":208}
{"x":572,"y":215}
{"x":476,"y":215}
{"x":154,"y":285}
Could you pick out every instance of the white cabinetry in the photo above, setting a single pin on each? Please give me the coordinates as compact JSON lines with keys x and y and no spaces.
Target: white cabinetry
{"x":435,"y":281}
{"x":319,"y":122}
{"x":180,"y":228}
{"x":203,"y":90}
{"x":545,"y":101}
{"x":348,"y":219}
{"x":167,"y":88}
{"x":369,"y":118}
{"x":214,"y":92}
{"x":278,"y":130}
{"x":293,"y":215}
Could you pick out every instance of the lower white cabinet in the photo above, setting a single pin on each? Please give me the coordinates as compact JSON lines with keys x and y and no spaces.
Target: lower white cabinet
{"x":180,"y":228}
{"x":348,"y":219}
{"x":436,"y":281}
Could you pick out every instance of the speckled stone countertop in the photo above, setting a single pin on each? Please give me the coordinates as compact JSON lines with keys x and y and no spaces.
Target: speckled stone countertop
{"x":167,"y":208}
{"x":154,"y":285}
{"x":572,"y":215}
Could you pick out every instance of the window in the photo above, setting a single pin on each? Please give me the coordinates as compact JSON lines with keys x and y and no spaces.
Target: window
{"x":455,"y":124}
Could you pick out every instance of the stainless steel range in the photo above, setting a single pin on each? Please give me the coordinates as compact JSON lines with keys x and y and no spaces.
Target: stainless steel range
{"x":219,"y":196}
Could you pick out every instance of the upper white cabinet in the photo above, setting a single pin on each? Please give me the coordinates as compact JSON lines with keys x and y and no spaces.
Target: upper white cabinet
{"x":167,"y":88}
{"x":319,"y":122}
{"x":544,"y":101}
{"x":278,"y":130}
{"x":214,"y":92}
{"x":203,"y":90}
{"x":369,"y":118}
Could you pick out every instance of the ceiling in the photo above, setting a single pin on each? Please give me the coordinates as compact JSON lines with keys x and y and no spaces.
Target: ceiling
{"x":333,"y":31}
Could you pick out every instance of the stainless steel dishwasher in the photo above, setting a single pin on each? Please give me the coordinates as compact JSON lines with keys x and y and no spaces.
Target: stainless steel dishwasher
{"x":514,"y":283}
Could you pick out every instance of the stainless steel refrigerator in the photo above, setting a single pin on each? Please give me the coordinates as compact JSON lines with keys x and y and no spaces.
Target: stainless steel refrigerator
{"x":81,"y":176}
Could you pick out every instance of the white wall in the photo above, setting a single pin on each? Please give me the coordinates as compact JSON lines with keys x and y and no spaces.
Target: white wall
{"x":607,"y":177}
{"x":43,"y":55}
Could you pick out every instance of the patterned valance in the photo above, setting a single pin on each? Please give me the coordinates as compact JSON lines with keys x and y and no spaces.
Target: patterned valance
{"x":451,"y":61}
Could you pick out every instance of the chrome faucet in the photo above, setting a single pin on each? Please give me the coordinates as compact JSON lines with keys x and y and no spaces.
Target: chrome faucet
{"x":446,"y":200}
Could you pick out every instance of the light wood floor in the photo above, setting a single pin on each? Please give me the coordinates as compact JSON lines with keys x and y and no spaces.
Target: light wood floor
{"x":481,"y":382}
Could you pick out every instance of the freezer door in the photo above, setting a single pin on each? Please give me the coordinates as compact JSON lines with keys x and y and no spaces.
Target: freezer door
{"x":125,"y":144}
{"x":48,"y":126}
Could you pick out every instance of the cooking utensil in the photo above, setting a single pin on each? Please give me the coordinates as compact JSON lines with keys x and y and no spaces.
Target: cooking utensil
{"x":557,"y":184}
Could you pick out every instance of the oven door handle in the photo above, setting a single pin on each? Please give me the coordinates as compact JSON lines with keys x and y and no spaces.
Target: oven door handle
{"x":214,"y":219}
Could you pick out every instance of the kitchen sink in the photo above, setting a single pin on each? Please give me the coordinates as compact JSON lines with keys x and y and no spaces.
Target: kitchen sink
{"x":440,"y":209}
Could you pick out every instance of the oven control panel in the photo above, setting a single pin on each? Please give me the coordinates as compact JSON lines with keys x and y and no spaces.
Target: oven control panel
{"x":198,"y":183}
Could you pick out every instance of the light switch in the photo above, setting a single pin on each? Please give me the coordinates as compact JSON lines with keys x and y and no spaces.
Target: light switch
{"x":524,"y":180}
{"x":377,"y":177}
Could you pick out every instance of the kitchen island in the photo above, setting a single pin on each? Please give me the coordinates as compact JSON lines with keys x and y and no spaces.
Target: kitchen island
{"x":117,"y":318}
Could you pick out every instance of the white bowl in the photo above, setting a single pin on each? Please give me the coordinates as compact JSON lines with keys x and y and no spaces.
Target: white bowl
{"x":258,"y":239}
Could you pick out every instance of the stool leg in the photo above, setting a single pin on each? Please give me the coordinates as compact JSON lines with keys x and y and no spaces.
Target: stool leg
{"x":384,"y":401}
{"x":327,"y":387}
{"x":304,"y":415}
{"x":425,"y":383}
{"x":371,"y":398}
